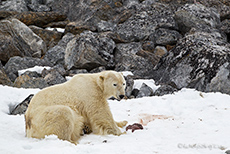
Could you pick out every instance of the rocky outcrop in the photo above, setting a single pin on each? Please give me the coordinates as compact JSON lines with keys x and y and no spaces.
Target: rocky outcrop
{"x":200,"y":60}
{"x":19,"y":40}
{"x":178,"y":43}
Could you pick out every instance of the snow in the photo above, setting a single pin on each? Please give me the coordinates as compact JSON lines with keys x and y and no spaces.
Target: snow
{"x":149,"y":82}
{"x":62,"y":30}
{"x":199,"y":125}
{"x":37,"y":69}
{"x":126,"y":73}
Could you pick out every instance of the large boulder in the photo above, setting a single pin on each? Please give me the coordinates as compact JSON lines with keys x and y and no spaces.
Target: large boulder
{"x":14,"y":5}
{"x":24,"y":81}
{"x":56,"y":54}
{"x":198,"y":16}
{"x":131,"y":57}
{"x":86,"y":9}
{"x":39,"y":18}
{"x":18,"y":63}
{"x":145,"y":21}
{"x":51,"y":38}
{"x":54,"y":75}
{"x":200,"y":60}
{"x":88,"y":51}
{"x":16,"y":39}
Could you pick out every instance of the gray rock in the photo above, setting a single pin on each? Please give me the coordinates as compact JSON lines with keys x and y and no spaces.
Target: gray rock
{"x":19,"y":40}
{"x":5,"y":14}
{"x":221,"y":82}
{"x":21,"y":107}
{"x":86,"y":10}
{"x":129,"y":86}
{"x":24,"y":81}
{"x":51,"y":38}
{"x":145,"y":90}
{"x":79,"y":27}
{"x":88,"y":51}
{"x":32,"y":74}
{"x":164,"y":36}
{"x":227,"y":152}
{"x":144,"y":22}
{"x":196,"y":15}
{"x":104,"y":26}
{"x":199,"y":60}
{"x":77,"y":71}
{"x":131,"y":57}
{"x":160,"y":51}
{"x":39,"y":19}
{"x":98,"y":69}
{"x":18,"y":63}
{"x":14,"y":5}
{"x":60,"y":69}
{"x":164,"y":89}
{"x":4,"y":79}
{"x":148,"y":46}
{"x":222,"y":6}
{"x":130,"y":3}
{"x":38,"y":6}
{"x":56,"y":54}
{"x":72,"y":8}
{"x":225,"y":26}
{"x":53,"y":77}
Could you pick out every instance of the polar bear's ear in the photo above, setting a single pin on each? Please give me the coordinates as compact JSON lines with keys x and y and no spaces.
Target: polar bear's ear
{"x":102,"y":78}
{"x":100,"y":82}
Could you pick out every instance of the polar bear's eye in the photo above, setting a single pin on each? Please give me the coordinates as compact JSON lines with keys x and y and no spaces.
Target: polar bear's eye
{"x":123,"y":84}
{"x":114,"y":84}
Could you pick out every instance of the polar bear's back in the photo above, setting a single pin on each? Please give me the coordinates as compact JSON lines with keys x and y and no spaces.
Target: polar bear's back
{"x":79,"y":88}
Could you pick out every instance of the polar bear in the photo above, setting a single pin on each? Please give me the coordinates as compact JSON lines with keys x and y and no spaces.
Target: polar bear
{"x":65,"y":109}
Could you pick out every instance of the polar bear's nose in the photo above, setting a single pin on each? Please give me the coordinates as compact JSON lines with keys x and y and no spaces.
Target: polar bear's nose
{"x":121,"y":96}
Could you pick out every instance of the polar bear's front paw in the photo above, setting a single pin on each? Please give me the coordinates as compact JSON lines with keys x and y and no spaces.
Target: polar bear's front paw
{"x":122,"y":123}
{"x":114,"y":131}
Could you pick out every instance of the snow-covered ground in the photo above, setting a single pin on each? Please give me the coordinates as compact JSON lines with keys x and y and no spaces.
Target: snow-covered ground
{"x":199,"y":123}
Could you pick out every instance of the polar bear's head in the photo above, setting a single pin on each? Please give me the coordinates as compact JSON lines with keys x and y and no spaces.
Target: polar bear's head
{"x":113,"y":84}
